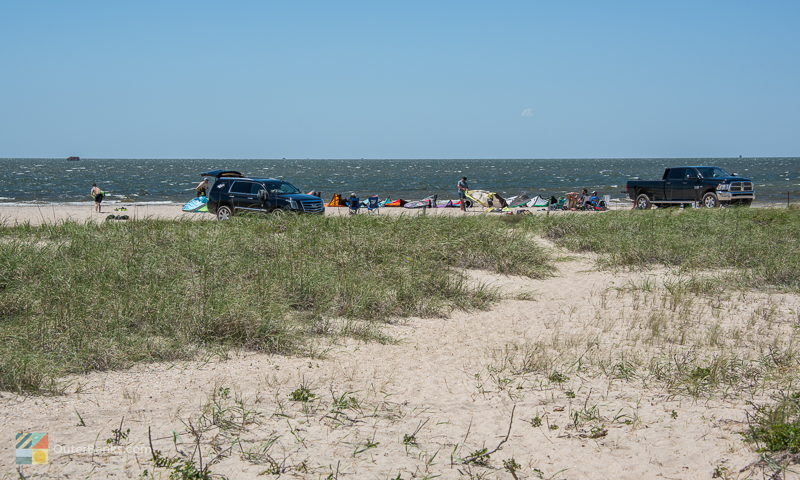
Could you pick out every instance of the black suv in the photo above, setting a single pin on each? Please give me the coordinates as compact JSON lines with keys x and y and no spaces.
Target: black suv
{"x":234,"y":193}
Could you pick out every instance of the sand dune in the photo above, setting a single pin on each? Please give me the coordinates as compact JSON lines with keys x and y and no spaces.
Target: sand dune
{"x":423,"y":405}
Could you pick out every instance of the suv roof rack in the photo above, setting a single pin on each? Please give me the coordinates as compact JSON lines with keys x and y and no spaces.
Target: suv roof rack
{"x":222,"y":173}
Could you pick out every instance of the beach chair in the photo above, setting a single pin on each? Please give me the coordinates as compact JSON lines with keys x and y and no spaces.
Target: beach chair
{"x":559,"y":204}
{"x":373,"y":204}
{"x":353,"y":203}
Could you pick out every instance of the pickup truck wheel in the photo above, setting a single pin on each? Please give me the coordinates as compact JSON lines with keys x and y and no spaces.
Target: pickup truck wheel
{"x":224,"y":212}
{"x":643,"y":202}
{"x":710,"y":200}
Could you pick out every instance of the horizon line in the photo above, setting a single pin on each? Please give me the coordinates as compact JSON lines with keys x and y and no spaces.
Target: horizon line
{"x":742,"y":157}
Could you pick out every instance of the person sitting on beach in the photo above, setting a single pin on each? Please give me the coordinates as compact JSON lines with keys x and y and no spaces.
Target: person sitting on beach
{"x":592,"y":202}
{"x":462,"y":187}
{"x":98,"y":196}
{"x":584,"y":198}
{"x":202,"y":188}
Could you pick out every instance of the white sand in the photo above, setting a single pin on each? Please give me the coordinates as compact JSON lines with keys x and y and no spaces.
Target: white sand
{"x":455,"y":380}
{"x":53,"y":213}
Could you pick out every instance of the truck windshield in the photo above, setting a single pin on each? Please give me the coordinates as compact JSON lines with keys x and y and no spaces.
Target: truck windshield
{"x":712,"y":172}
{"x":281,"y":188}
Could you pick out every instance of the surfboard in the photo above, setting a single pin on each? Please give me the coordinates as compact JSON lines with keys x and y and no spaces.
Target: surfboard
{"x":195,"y":204}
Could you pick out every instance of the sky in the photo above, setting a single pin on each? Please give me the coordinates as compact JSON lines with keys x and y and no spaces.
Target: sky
{"x":399,"y":79}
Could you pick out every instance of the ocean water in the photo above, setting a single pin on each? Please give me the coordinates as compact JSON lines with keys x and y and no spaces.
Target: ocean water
{"x":33,"y":180}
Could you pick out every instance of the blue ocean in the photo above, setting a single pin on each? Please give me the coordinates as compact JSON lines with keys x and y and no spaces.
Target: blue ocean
{"x":38,"y":180}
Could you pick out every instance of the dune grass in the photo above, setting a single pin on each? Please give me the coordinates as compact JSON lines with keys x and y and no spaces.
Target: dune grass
{"x":76,"y":298}
{"x":761,"y":245}
{"x":775,"y":427}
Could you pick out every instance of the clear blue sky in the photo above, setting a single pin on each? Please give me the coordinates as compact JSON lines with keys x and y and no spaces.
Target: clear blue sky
{"x":405,"y":79}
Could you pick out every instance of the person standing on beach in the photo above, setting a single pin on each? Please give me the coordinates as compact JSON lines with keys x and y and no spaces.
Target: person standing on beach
{"x":98,"y":196}
{"x":202,"y":188}
{"x":462,"y":193}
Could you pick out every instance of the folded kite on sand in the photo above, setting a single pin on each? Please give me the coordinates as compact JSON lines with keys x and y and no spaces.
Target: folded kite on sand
{"x":429,"y":201}
{"x":524,"y":200}
{"x":195,"y":204}
{"x":486,"y":199}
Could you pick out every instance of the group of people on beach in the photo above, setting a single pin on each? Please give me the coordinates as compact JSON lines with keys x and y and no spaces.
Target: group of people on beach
{"x":462,"y":187}
{"x":586,"y":199}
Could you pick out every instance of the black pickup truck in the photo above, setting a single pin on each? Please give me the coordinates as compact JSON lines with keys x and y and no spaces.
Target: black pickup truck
{"x":708,"y":186}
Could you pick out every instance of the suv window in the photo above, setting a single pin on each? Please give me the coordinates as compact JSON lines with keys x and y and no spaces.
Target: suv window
{"x":676,"y":173}
{"x":244,"y":187}
{"x":281,"y":187}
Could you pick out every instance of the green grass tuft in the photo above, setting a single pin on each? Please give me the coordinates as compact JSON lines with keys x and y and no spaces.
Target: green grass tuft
{"x":76,"y":298}
{"x":776,"y":427}
{"x":761,"y":245}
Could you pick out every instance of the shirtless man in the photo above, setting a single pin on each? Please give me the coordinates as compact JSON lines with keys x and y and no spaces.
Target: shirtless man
{"x":98,"y":196}
{"x":202,"y":188}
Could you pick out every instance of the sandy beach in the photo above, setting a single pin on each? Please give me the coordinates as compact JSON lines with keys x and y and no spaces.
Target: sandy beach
{"x":441,"y":391}
{"x":54,"y":213}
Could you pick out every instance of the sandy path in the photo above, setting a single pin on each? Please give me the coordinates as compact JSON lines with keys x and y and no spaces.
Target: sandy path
{"x":446,"y":379}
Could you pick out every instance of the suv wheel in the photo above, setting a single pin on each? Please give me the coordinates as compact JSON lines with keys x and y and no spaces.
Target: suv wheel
{"x":643,"y":202}
{"x":224,"y":212}
{"x":710,"y":200}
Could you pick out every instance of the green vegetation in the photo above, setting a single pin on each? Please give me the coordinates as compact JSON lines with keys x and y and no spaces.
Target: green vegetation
{"x":302,"y":394}
{"x":557,"y":377}
{"x":76,"y":298}
{"x":776,"y":427}
{"x":763,"y":244}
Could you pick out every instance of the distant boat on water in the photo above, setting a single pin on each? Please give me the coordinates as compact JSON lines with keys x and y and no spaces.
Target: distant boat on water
{"x":73,"y":159}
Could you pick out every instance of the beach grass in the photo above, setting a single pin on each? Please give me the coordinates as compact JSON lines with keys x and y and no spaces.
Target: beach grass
{"x":762,"y":246}
{"x":775,"y":426}
{"x":81,"y":297}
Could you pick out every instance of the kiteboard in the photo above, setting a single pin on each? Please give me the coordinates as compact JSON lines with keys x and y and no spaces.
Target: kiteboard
{"x":195,"y":204}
